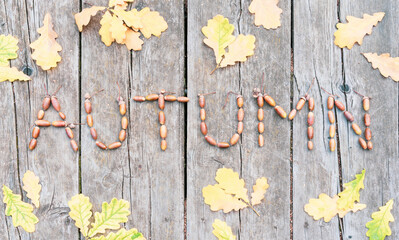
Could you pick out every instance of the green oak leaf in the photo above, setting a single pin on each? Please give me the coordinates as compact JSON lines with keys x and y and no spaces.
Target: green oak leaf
{"x":379,"y":226}
{"x":351,"y":194}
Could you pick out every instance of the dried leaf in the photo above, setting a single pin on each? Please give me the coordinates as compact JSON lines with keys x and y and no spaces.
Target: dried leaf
{"x":267,"y":13}
{"x":222,"y":231}
{"x":8,"y":49}
{"x":20,"y":211}
{"x":105,"y":32}
{"x":327,"y":207}
{"x":378,"y":228}
{"x":118,"y":29}
{"x":388,"y":66}
{"x":231,"y":183}
{"x":259,"y":191}
{"x":81,"y":212}
{"x":122,"y":234}
{"x":131,"y":18}
{"x":219,"y":35}
{"x":351,"y":194}
{"x":355,"y":30}
{"x":323,"y":207}
{"x":218,"y":199}
{"x":111,"y":216}
{"x":12,"y":74}
{"x":45,"y":47}
{"x":83,"y":18}
{"x":239,"y":50}
{"x":32,"y":187}
{"x":133,"y":41}
{"x":153,"y":23}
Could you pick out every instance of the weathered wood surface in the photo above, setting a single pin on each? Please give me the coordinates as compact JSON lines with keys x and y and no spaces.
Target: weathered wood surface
{"x":164,"y":187}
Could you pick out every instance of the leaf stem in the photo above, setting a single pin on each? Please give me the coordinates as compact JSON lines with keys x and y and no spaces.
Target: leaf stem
{"x":217,"y":66}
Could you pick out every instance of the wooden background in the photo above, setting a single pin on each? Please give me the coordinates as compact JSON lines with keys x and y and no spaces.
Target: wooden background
{"x":165,"y":188}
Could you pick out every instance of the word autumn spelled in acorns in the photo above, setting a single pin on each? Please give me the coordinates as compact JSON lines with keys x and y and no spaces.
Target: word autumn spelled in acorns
{"x":164,"y":96}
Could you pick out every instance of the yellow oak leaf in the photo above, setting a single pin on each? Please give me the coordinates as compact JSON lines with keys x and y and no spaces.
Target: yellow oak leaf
{"x":355,"y":30}
{"x":32,"y":187}
{"x":388,"y":66}
{"x":122,"y":234}
{"x":105,"y":33}
{"x":12,"y":74}
{"x":356,"y":207}
{"x":118,"y":29}
{"x":239,"y":50}
{"x":267,"y":13}
{"x":231,"y":183}
{"x":327,"y":207}
{"x":81,"y":212}
{"x":153,"y":23}
{"x":218,"y":199}
{"x":222,"y":231}
{"x":323,"y":207}
{"x":111,"y":216}
{"x":350,"y":195}
{"x":8,"y":49}
{"x":131,"y":18}
{"x":20,"y":211}
{"x":83,"y":18}
{"x":219,"y":35}
{"x":45,"y":48}
{"x":259,"y":191}
{"x":133,"y":41}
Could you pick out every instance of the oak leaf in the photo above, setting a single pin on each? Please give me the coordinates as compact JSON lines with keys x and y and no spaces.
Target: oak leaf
{"x":350,"y":195}
{"x":111,"y":216}
{"x":267,"y":13}
{"x":222,"y":231}
{"x":122,"y":234}
{"x":231,"y":183}
{"x":81,"y":212}
{"x":8,"y":49}
{"x":133,"y":41}
{"x":83,"y":18}
{"x":12,"y":74}
{"x":259,"y":191}
{"x":32,"y":187}
{"x":219,"y":33}
{"x":153,"y":23}
{"x":131,"y":18}
{"x":118,"y":29}
{"x":378,"y":228}
{"x":218,"y":199}
{"x":355,"y":30}
{"x":105,"y":32}
{"x":20,"y":211}
{"x":45,"y":48}
{"x":388,"y":66}
{"x":327,"y":207}
{"x":239,"y":50}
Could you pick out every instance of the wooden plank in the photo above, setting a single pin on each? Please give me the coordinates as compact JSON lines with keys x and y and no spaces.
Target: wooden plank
{"x":203,"y":160}
{"x":104,"y":172}
{"x":272,"y":57}
{"x":9,"y":176}
{"x":137,"y":172}
{"x":156,"y":183}
{"x":380,"y":163}
{"x":57,"y":172}
{"x":316,"y":171}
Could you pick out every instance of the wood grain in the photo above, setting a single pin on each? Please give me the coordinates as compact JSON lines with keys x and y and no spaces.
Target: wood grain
{"x":314,"y":172}
{"x":381,"y":163}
